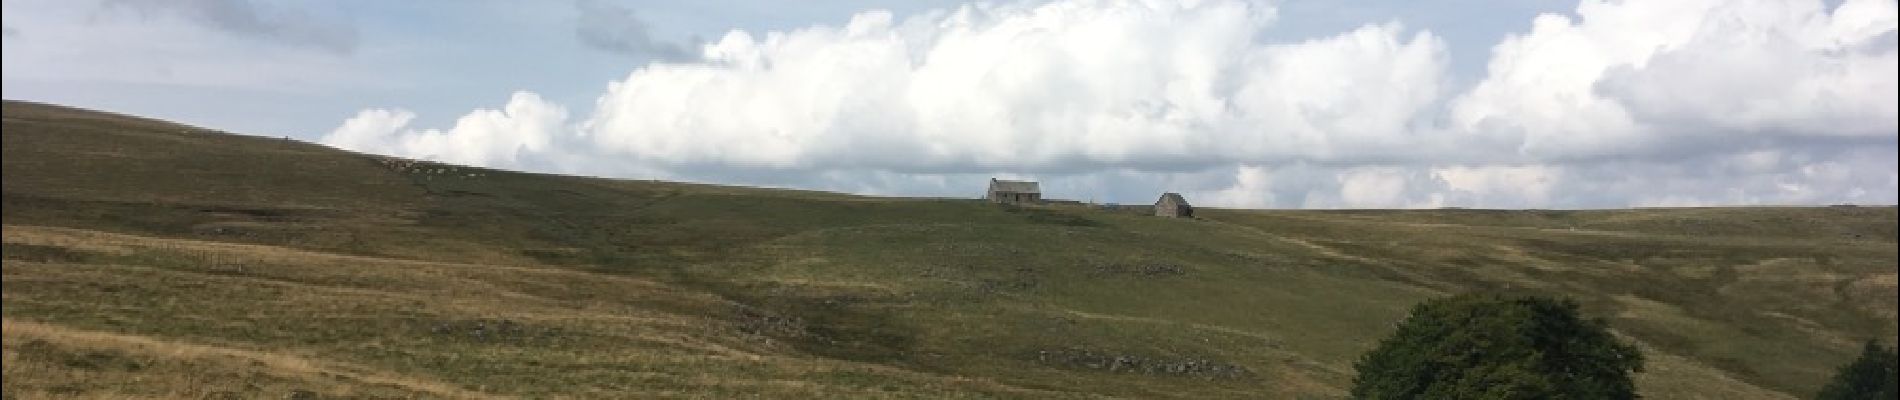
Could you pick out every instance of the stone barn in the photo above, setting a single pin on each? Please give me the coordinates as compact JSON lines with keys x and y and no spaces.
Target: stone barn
{"x":1173,"y":205}
{"x":1014,"y":192}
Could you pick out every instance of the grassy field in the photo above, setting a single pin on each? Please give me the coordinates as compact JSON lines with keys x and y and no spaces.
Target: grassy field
{"x":150,"y":259}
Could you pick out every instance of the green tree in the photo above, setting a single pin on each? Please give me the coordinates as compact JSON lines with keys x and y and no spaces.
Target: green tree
{"x":1498,"y":347}
{"x":1872,"y":376}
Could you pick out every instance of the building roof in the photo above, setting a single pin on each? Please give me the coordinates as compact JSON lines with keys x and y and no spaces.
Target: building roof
{"x":1172,"y":197}
{"x":997,"y":185}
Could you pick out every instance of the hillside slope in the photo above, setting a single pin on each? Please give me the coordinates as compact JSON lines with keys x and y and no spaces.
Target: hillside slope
{"x":146,"y":258}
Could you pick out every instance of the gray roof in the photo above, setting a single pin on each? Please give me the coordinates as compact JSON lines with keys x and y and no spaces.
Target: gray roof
{"x":998,"y":185}
{"x":1172,"y":196}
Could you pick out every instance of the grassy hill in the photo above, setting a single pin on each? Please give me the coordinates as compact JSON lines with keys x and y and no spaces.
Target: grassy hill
{"x":145,"y":258}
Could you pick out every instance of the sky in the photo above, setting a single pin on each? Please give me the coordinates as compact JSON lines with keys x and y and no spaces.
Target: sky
{"x":1233,"y":103}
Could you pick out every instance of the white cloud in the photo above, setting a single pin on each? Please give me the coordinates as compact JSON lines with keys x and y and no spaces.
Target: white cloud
{"x":1640,"y":78}
{"x":1635,"y":102}
{"x":1251,"y":189}
{"x":1500,"y":185}
{"x":1384,"y":187}
{"x":374,"y":129}
{"x":1025,"y":88}
{"x":501,"y":138}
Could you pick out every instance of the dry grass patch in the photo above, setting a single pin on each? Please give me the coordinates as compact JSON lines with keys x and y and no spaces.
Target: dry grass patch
{"x":51,"y":361}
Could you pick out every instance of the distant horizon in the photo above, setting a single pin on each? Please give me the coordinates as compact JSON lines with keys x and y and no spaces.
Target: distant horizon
{"x":977,"y":194}
{"x":1251,"y":104}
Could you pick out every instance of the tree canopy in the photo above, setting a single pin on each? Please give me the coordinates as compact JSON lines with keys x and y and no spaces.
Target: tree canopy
{"x":1872,"y":376}
{"x":1498,"y":347}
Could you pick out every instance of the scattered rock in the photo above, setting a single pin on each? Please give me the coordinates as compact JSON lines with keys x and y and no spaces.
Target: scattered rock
{"x":1147,"y":270}
{"x":226,"y":231}
{"x":999,"y":285}
{"x":1128,"y":363}
{"x":756,"y":321}
{"x":492,"y":331}
{"x":842,"y":300}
